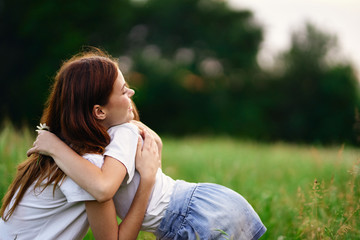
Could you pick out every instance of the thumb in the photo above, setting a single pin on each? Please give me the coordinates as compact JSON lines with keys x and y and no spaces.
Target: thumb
{"x":31,"y":151}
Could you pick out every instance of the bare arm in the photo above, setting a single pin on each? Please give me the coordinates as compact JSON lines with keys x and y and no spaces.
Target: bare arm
{"x":147,"y":164}
{"x":103,"y":183}
{"x":102,"y":217}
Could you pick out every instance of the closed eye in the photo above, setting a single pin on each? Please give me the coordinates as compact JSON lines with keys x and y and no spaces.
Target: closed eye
{"x":125,"y":90}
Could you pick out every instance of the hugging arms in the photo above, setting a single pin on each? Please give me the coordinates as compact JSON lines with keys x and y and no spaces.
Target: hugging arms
{"x":210,"y":206}
{"x":91,"y":110}
{"x":42,"y":202}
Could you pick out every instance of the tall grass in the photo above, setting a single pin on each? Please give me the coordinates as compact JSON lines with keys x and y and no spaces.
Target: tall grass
{"x":13,"y":146}
{"x":299,"y":191}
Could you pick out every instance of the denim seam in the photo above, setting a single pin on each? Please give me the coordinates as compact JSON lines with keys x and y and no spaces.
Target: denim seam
{"x":188,"y":208}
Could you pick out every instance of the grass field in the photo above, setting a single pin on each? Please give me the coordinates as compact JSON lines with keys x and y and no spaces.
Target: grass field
{"x":299,"y":191}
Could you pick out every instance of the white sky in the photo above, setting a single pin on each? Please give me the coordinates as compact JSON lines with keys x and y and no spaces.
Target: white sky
{"x":281,"y":17}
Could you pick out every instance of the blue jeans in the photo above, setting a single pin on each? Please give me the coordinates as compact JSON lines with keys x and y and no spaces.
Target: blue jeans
{"x":208,"y":211}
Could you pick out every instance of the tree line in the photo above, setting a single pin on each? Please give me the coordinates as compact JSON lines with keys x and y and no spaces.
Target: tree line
{"x":192,"y":63}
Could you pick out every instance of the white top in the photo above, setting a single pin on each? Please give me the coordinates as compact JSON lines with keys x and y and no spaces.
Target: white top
{"x":41,"y":215}
{"x":123,"y":145}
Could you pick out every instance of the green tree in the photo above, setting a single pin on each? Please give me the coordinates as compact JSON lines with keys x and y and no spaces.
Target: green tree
{"x":37,"y":35}
{"x":317,"y":96}
{"x":179,"y":53}
{"x":187,"y":55}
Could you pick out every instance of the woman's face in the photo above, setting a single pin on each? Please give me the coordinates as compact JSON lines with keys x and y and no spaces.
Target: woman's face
{"x":119,"y":108}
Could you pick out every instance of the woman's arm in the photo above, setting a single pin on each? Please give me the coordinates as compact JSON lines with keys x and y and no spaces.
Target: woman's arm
{"x":147,"y":164}
{"x":102,"y":217}
{"x":103,"y":182}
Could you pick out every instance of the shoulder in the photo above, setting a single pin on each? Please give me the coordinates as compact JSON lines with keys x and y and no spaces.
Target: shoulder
{"x":73,"y":192}
{"x":126,"y":128}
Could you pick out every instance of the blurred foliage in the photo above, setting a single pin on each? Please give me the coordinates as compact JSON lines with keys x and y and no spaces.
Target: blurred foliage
{"x":37,"y":35}
{"x":315,"y":99}
{"x":192,"y":63}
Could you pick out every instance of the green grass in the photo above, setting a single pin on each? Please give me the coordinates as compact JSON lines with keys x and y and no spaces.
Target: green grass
{"x":299,"y":191}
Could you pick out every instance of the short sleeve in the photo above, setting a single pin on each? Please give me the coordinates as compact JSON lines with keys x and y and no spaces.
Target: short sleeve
{"x":123,"y":145}
{"x":72,"y":191}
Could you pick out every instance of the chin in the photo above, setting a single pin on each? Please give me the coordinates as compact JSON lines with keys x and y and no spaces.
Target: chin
{"x":131,"y":117}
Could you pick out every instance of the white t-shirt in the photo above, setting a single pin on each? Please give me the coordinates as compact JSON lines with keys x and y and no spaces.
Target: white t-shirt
{"x":40,"y":215}
{"x":123,"y":146}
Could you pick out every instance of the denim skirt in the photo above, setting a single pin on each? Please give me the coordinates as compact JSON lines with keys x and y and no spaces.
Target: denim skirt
{"x":208,"y":211}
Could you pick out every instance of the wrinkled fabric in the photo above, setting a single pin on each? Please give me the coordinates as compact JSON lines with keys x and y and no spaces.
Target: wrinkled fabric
{"x":208,"y":211}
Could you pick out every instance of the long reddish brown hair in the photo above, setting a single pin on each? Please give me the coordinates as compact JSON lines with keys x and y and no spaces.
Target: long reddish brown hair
{"x":83,"y":81}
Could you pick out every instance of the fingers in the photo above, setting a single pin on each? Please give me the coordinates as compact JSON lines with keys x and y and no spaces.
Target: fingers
{"x":34,"y":147}
{"x":147,"y":143}
{"x":37,"y":142}
{"x":139,"y":146}
{"x":142,"y":132}
{"x":148,"y":140}
{"x":150,"y":144}
{"x":147,"y":158}
{"x":142,"y":127}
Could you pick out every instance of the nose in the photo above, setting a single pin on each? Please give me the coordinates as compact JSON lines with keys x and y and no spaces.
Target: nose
{"x":131,"y":92}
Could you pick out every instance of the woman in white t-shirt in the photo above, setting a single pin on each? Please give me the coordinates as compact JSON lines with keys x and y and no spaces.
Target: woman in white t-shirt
{"x":176,"y":209}
{"x":42,"y":202}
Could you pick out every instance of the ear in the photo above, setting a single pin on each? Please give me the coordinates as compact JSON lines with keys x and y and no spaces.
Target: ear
{"x":98,"y":112}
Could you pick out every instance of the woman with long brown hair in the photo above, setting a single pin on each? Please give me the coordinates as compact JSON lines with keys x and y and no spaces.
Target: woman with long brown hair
{"x":42,"y":202}
{"x":176,"y":209}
